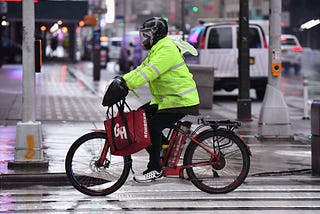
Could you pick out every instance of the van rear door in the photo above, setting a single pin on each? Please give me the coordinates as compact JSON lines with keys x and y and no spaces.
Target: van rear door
{"x":258,"y":51}
{"x":218,"y":50}
{"x":221,"y":51}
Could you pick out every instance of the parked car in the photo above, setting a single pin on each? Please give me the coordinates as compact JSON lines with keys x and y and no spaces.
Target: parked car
{"x":218,"y":47}
{"x":11,"y":51}
{"x":114,"y":44}
{"x":291,"y":53}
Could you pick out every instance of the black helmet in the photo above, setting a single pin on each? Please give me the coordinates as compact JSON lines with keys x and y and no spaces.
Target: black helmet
{"x":152,"y":31}
{"x":116,"y":91}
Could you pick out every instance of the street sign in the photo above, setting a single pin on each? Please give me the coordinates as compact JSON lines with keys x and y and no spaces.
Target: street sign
{"x":90,"y":20}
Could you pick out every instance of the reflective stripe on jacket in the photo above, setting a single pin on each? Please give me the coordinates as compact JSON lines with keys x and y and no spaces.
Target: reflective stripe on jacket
{"x":170,"y":82}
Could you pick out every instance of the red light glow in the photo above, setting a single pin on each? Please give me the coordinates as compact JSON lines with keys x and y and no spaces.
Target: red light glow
{"x":297,"y":48}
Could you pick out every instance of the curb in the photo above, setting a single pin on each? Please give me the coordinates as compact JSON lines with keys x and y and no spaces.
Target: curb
{"x":49,"y":179}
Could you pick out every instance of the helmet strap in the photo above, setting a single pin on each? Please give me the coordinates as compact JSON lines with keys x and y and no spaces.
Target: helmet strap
{"x":151,"y":41}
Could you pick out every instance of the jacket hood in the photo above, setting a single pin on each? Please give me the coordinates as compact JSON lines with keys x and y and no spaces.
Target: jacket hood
{"x":185,"y":47}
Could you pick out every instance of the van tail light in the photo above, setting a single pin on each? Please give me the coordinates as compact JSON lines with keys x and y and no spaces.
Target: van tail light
{"x":202,"y":43}
{"x":265,"y":45}
{"x":297,"y":48}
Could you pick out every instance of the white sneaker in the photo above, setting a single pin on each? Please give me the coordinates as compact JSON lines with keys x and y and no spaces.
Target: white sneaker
{"x":148,"y":176}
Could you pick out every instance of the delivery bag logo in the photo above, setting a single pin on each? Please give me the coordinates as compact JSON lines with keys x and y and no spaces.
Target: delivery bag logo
{"x":120,"y":131}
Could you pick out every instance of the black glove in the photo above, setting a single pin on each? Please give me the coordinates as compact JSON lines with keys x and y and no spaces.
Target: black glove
{"x":122,"y":82}
{"x":116,"y":92}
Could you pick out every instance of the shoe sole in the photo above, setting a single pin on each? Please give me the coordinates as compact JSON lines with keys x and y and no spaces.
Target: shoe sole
{"x":147,"y":181}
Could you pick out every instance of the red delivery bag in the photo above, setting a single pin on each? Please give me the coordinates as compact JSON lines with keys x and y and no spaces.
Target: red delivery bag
{"x":128,"y":132}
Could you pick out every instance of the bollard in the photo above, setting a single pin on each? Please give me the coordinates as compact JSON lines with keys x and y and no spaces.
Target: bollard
{"x":203,"y":76}
{"x":315,"y":141}
{"x":305,"y":99}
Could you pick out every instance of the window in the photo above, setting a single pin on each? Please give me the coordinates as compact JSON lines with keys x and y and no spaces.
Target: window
{"x":288,"y":41}
{"x":116,"y":43}
{"x":254,"y":38}
{"x":220,"y":37}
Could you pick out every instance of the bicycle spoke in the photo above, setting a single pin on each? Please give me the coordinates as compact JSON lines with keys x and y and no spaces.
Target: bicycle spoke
{"x":93,"y":177}
{"x":230,"y":163}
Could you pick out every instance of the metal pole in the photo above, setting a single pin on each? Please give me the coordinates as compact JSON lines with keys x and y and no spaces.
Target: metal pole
{"x":28,"y":151}
{"x":244,"y":101}
{"x":315,"y":140}
{"x":97,"y":45}
{"x":29,"y":94}
{"x":182,"y":19}
{"x":274,"y":117}
{"x":96,"y":55}
{"x":124,"y":18}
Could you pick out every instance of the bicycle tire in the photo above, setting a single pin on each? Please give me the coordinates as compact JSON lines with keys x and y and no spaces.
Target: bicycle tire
{"x":88,"y":178}
{"x":225,"y":175}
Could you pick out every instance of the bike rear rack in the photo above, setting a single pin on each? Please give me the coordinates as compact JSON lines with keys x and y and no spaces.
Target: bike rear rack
{"x":215,"y":124}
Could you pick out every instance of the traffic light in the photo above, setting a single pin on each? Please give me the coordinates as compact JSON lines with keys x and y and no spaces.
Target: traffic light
{"x":195,"y":9}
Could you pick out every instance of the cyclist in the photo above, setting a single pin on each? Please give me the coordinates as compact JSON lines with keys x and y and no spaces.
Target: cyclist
{"x":171,"y":85}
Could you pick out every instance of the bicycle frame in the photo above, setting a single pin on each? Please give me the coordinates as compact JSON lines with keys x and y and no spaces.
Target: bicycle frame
{"x":177,"y":140}
{"x":103,"y":155}
{"x":170,"y":163}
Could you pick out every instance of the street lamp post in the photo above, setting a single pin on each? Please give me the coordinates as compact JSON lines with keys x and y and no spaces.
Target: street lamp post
{"x":28,"y":149}
{"x":274,"y":117}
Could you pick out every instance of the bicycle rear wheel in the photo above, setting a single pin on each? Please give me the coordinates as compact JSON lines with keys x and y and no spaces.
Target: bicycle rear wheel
{"x":229,"y":168}
{"x":87,"y":175}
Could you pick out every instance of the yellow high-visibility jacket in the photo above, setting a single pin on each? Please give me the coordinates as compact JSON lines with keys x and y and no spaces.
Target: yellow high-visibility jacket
{"x":170,"y":82}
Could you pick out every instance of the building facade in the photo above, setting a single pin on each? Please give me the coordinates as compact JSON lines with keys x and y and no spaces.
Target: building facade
{"x":130,"y":14}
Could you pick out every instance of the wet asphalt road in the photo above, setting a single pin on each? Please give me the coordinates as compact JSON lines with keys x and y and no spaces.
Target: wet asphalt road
{"x":280,"y":194}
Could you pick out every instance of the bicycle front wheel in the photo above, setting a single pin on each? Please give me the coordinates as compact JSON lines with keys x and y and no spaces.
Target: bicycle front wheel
{"x":88,"y":175}
{"x":227,"y":169}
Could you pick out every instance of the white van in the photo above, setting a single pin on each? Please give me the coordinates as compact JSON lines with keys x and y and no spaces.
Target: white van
{"x":217,"y":47}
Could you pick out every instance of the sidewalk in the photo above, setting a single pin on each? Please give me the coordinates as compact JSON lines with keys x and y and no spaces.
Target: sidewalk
{"x":270,"y":157}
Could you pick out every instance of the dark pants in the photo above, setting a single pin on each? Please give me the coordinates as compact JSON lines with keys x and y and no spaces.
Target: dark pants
{"x":157,"y":122}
